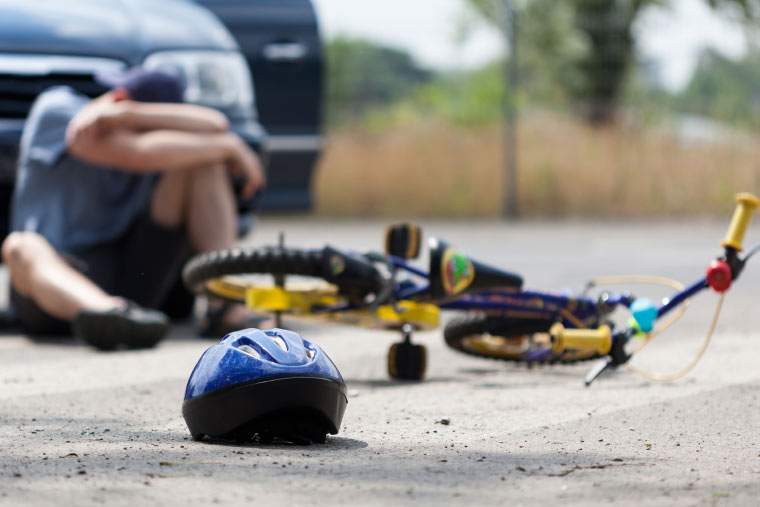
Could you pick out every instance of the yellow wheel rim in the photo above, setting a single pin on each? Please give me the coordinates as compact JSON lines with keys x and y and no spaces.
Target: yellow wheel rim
{"x":497,"y":346}
{"x":514,"y":348}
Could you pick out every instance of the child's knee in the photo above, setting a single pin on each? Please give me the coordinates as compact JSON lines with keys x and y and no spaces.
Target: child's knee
{"x":212,"y":172}
{"x":20,"y":250}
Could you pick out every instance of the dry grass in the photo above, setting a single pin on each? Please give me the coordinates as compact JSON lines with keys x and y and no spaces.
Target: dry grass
{"x":430,"y":168}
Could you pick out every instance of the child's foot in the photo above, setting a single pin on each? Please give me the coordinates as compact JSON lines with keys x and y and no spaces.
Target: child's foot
{"x":128,"y":326}
{"x":224,"y":317}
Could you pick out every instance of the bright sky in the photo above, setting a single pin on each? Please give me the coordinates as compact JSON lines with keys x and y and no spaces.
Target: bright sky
{"x":672,"y":38}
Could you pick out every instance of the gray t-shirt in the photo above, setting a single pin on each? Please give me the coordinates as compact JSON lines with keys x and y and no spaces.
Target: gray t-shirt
{"x":73,"y":204}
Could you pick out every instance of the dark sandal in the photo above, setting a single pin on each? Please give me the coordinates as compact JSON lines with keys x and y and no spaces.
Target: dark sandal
{"x":214,"y":326}
{"x":129,"y":327}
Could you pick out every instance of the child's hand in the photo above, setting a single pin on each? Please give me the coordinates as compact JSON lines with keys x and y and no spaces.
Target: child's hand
{"x":94,"y":120}
{"x":245,"y":163}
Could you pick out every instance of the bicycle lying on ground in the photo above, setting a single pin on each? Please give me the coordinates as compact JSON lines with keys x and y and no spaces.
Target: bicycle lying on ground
{"x":376,"y":290}
{"x":547,"y":328}
{"x":502,"y":320}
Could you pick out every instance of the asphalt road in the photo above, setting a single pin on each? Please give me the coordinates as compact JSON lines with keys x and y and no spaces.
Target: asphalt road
{"x":82,"y":428}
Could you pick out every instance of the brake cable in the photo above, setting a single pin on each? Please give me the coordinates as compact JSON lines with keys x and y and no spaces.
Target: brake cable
{"x":661,"y":281}
{"x":664,"y":377}
{"x":664,"y":326}
{"x":672,"y":377}
{"x":752,"y":252}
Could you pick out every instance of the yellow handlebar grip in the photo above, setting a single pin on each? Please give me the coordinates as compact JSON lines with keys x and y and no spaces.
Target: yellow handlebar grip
{"x":597,"y":340}
{"x":745,"y":205}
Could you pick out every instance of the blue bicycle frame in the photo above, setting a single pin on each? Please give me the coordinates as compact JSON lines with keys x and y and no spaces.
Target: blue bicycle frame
{"x":573,"y":311}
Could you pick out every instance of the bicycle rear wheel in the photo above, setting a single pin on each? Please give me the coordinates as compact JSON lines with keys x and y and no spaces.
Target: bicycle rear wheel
{"x":353,"y":277}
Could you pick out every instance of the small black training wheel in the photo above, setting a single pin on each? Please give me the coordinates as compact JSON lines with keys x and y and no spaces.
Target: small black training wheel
{"x":279,"y":281}
{"x":406,"y":360}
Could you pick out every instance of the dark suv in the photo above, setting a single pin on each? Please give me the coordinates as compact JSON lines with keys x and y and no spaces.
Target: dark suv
{"x":53,"y":42}
{"x":280,"y":41}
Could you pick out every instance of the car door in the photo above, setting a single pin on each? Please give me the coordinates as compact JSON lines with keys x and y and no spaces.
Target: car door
{"x":280,"y":40}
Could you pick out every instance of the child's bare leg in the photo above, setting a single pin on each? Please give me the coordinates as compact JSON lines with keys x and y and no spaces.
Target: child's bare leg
{"x":168,"y":205}
{"x":211,"y":211}
{"x":38,"y":272}
{"x":202,"y":200}
{"x":212,"y":222}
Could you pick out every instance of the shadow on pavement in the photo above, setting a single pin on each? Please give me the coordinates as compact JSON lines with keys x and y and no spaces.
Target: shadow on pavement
{"x":55,"y":341}
{"x":388,"y":383}
{"x":333,"y":444}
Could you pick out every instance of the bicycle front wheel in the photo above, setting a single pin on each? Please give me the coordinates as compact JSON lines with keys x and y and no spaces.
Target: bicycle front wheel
{"x":522,"y":340}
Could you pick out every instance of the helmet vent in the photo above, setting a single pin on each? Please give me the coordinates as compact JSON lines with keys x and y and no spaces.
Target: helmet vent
{"x":277,"y":339}
{"x":247,"y":349}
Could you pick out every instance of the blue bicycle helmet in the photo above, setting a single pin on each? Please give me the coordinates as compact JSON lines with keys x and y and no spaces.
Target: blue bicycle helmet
{"x":264,"y":385}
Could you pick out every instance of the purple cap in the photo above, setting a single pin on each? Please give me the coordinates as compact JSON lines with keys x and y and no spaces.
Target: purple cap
{"x":146,"y":85}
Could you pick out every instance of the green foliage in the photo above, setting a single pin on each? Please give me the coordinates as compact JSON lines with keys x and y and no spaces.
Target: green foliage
{"x":750,"y":8}
{"x":362,"y":75}
{"x":597,"y":74}
{"x":383,"y":87}
{"x":549,"y":48}
{"x":599,"y":33}
{"x":478,"y":97}
{"x":548,"y":44}
{"x":561,"y":68}
{"x":725,"y":89}
{"x":467,"y":98}
{"x":650,"y":104}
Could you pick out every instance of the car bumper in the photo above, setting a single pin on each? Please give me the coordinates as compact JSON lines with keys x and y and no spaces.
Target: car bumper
{"x":291,"y":162}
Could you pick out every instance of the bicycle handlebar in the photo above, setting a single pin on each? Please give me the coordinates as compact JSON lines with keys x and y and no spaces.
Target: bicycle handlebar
{"x":719,"y":276}
{"x":598,"y":340}
{"x":745,"y":206}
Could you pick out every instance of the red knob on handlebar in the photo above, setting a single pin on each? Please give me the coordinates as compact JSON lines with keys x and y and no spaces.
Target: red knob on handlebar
{"x":719,"y":276}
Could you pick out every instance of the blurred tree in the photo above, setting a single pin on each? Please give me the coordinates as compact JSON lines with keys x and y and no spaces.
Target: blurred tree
{"x":363,"y":74}
{"x":467,"y":98}
{"x":725,"y":89}
{"x":607,"y":26}
{"x":606,"y":31}
{"x":549,"y":46}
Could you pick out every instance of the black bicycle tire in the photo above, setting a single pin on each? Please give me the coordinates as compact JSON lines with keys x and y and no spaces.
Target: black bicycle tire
{"x":460,"y":328}
{"x":240,"y":261}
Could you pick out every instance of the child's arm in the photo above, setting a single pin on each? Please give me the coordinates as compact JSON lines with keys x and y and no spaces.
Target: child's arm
{"x":168,"y":150}
{"x":143,"y":116}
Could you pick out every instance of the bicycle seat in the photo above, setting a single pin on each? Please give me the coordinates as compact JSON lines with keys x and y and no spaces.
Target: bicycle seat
{"x":452,"y":273}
